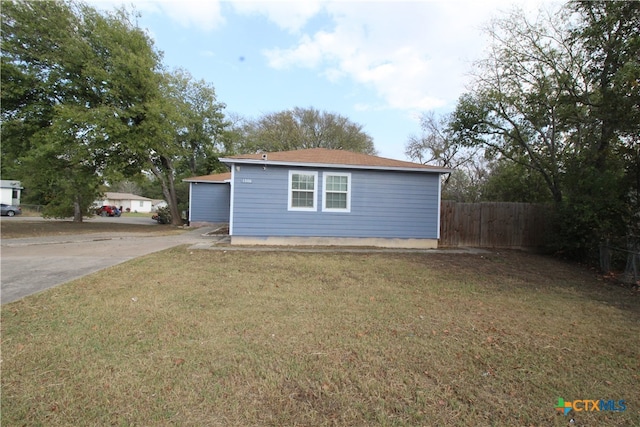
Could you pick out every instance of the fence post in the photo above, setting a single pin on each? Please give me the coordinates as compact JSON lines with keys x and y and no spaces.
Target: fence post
{"x":630,"y":275}
{"x":605,"y":256}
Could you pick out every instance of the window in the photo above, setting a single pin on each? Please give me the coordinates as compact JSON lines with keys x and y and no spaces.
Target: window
{"x":337,"y":192}
{"x":141,"y":203}
{"x":302,"y":191}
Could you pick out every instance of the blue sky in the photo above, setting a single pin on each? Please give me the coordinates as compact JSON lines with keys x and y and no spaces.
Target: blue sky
{"x":379,"y":63}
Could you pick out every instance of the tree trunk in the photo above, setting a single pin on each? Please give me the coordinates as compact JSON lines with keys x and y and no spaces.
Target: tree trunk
{"x":176,"y":218}
{"x":165,"y":175}
{"x":169,"y":191}
{"x":77,"y":211}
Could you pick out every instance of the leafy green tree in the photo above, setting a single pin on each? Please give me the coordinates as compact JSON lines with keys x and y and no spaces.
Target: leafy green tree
{"x":518,"y":109}
{"x":76,"y":88}
{"x":607,"y":37}
{"x":508,"y":181}
{"x":602,"y":184}
{"x":149,"y":186}
{"x":234,"y":137}
{"x":473,"y":179}
{"x":203,"y":123}
{"x":127,"y":186}
{"x":302,"y":128}
{"x":560,"y":98}
{"x":183,"y":137}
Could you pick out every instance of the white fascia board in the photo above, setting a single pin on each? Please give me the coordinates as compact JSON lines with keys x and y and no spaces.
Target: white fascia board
{"x":226,"y":181}
{"x":231,"y":162}
{"x":190,"y":199}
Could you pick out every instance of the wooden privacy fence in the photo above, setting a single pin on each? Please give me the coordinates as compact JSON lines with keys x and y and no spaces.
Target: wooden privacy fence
{"x":493,"y":224}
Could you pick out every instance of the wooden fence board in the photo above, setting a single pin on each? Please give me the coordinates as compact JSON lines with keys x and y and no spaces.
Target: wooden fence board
{"x":493,"y":224}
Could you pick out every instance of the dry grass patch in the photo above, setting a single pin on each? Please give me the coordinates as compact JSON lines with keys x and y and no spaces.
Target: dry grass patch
{"x":12,"y":229}
{"x":272,"y":338}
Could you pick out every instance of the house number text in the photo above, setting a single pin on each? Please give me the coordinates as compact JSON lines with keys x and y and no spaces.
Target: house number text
{"x":246,"y":181}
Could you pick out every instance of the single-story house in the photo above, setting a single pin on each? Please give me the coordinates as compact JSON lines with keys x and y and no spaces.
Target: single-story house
{"x":322,"y":197}
{"x":133,"y":202}
{"x":10,"y":192}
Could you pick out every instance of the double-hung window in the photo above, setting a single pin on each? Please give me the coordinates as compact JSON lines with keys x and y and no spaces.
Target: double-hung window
{"x":337,"y":192}
{"x":302,"y":190}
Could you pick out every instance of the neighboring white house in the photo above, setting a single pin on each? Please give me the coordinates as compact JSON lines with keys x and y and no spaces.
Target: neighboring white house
{"x":129,"y":201}
{"x":157,"y":204}
{"x":10,"y":192}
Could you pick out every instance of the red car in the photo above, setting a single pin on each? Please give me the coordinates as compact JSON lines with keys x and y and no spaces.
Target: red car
{"x":108,"y":211}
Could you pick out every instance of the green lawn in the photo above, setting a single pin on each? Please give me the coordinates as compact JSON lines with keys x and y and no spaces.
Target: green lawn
{"x":13,"y":229}
{"x":137,"y":214}
{"x":281,"y":338}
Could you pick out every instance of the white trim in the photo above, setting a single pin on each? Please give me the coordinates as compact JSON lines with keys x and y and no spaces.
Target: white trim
{"x":324,"y":192}
{"x":190,"y":199}
{"x":231,"y":198}
{"x":439,"y":206}
{"x":335,"y":166}
{"x":206,"y":181}
{"x":314,"y":208}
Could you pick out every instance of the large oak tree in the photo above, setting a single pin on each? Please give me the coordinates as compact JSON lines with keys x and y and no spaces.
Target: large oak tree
{"x":85,"y":102}
{"x":560,"y":97}
{"x":301,"y":128}
{"x":77,"y":86}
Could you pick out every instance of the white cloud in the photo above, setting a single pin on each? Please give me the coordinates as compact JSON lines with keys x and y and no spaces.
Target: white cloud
{"x":204,"y":15}
{"x":287,"y":14}
{"x":416,"y":55}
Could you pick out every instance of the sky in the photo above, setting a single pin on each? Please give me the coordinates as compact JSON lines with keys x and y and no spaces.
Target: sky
{"x":381,"y":64}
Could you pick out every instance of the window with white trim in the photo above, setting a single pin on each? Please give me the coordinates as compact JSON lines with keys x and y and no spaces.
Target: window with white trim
{"x":302,"y":190}
{"x":337,"y":192}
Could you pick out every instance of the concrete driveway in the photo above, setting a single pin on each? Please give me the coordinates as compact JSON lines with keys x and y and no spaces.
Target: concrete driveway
{"x":31,"y":265}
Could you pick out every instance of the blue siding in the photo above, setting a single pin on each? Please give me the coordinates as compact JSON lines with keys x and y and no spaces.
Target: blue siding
{"x":210,"y":202}
{"x":384,"y":204}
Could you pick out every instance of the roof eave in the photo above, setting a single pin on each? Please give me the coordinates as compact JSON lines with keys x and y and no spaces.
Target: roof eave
{"x":226,"y":181}
{"x":231,"y":161}
{"x":120,"y":197}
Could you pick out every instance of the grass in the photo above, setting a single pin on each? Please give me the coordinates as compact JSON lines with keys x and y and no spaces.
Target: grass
{"x":10,"y":229}
{"x":274,"y":338}
{"x":137,"y":214}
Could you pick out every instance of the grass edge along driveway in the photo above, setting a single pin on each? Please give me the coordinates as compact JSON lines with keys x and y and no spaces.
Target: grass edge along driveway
{"x":193,"y":337}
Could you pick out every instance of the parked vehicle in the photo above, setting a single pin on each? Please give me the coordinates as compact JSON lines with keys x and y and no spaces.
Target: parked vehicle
{"x":108,"y":211}
{"x":9,"y":210}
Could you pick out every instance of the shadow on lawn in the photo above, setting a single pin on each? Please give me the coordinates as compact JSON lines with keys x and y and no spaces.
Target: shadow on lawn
{"x":514,"y":271}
